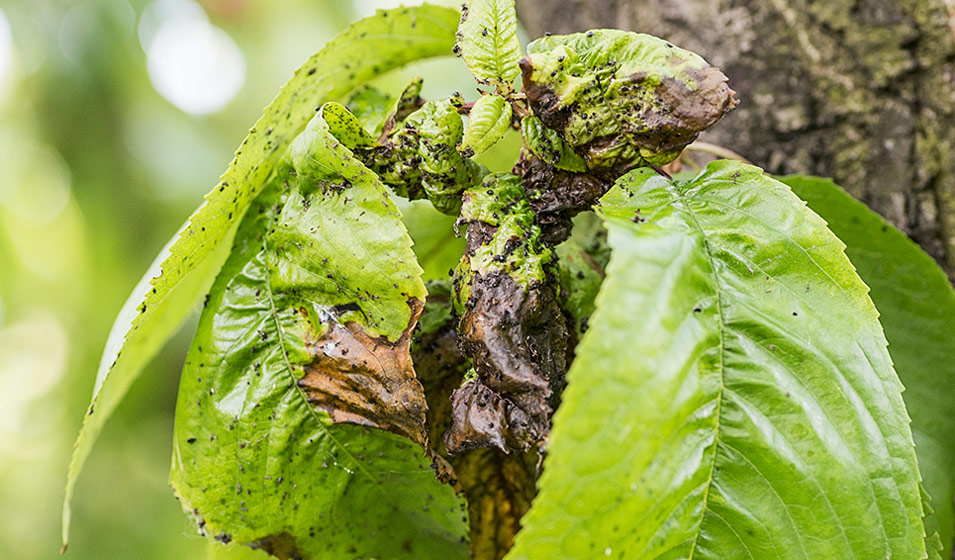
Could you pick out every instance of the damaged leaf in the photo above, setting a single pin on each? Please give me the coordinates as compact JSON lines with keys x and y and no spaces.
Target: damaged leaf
{"x":499,"y":487}
{"x":186,"y":267}
{"x":622,"y":99}
{"x":488,"y":120}
{"x":345,"y":127}
{"x":379,"y":113}
{"x":556,"y":196}
{"x":300,"y":423}
{"x":511,"y":325}
{"x":549,"y":147}
{"x":733,"y":397}
{"x":420,"y":159}
{"x":488,"y":43}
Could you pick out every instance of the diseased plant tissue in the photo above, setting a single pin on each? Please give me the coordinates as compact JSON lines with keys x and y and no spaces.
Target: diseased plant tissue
{"x":621,"y":364}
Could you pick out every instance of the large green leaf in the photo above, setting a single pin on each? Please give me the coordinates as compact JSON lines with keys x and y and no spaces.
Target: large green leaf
{"x":488,"y":43}
{"x":185,"y":268}
{"x":733,"y":397}
{"x":298,"y":402}
{"x":917,"y":308}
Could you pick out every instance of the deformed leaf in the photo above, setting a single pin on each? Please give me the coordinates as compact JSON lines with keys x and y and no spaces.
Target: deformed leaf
{"x":733,"y":397}
{"x":185,"y":269}
{"x":488,"y":120}
{"x":547,"y":145}
{"x":511,"y":326}
{"x":300,"y":422}
{"x":499,"y":487}
{"x":917,"y":309}
{"x":622,"y":99}
{"x":419,"y":159}
{"x":488,"y":43}
{"x":346,"y":127}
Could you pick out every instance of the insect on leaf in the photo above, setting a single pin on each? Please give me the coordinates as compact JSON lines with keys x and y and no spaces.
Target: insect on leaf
{"x":488,"y":43}
{"x":622,"y":99}
{"x":185,"y":269}
{"x":733,"y":397}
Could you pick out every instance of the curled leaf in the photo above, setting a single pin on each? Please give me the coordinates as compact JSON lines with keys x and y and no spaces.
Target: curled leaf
{"x":511,"y":324}
{"x":622,"y":99}
{"x":419,"y":160}
{"x":300,"y":421}
{"x":186,"y":267}
{"x":549,"y":147}
{"x":344,"y":126}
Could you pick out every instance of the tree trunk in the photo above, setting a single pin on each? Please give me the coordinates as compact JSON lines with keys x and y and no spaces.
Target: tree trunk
{"x":862,"y":91}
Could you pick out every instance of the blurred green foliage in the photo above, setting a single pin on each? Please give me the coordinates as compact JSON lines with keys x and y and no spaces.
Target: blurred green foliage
{"x":97,"y":171}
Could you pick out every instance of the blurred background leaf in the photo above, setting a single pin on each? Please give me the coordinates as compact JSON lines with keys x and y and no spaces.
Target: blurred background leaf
{"x":116,"y":116}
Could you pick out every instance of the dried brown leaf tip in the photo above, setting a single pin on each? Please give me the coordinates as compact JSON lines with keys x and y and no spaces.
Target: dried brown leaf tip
{"x":620,"y":99}
{"x":360,"y":379}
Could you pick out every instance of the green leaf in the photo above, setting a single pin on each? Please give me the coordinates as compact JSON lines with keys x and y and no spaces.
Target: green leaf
{"x":917,"y":308}
{"x":186,"y":267}
{"x":622,"y":99}
{"x":488,"y":120}
{"x":299,"y":410}
{"x":733,"y":397}
{"x":580,"y":278}
{"x":488,"y":43}
{"x":370,"y":106}
{"x":346,"y":127}
{"x":435,"y":244}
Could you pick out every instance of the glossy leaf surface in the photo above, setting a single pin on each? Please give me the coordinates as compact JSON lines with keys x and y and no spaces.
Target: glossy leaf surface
{"x":299,"y":409}
{"x":917,"y":310}
{"x":185,"y":269}
{"x":488,"y":120}
{"x":733,"y":397}
{"x":487,"y":41}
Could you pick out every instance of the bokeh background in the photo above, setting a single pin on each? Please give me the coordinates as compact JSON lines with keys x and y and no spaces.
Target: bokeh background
{"x":116,"y":116}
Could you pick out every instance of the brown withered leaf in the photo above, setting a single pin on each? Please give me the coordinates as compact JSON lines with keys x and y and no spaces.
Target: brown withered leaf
{"x":370,"y":381}
{"x":517,"y":339}
{"x":556,"y":195}
{"x":499,"y":486}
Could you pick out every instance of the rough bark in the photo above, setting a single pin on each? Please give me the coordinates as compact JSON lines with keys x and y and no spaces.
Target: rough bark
{"x":859,"y":90}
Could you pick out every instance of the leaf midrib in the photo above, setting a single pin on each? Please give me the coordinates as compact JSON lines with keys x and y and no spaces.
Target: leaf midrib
{"x":679,"y":196}
{"x":673,"y":190}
